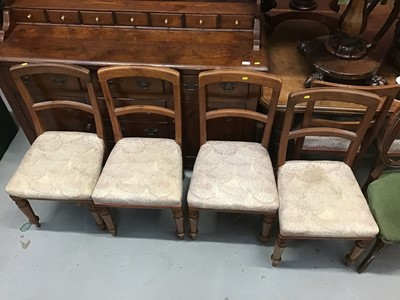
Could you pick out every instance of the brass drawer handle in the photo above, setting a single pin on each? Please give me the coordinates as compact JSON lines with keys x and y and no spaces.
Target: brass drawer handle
{"x":228,"y":86}
{"x":151,"y":131}
{"x":29,"y":16}
{"x":166,"y":21}
{"x":132,"y":20}
{"x":58,"y":80}
{"x":62,"y":18}
{"x":97,"y":19}
{"x":143,"y":84}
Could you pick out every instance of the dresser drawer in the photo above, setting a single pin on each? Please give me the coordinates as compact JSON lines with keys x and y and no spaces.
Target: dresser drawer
{"x":237,"y":22}
{"x":30,"y":15}
{"x":201,"y":21}
{"x":63,"y":17}
{"x":129,"y":87}
{"x":97,"y":18}
{"x":132,"y":19}
{"x":166,"y":20}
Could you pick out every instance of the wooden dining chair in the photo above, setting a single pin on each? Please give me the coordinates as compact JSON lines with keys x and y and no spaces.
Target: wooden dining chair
{"x":337,"y":145}
{"x":322,"y":199}
{"x":383,"y":193}
{"x":141,"y":172}
{"x":235,"y":176}
{"x":59,"y":165}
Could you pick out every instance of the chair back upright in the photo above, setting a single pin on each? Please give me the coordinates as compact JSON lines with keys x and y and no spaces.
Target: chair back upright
{"x":22,"y":73}
{"x":308,"y":98}
{"x":108,"y":74}
{"x":263,"y":80}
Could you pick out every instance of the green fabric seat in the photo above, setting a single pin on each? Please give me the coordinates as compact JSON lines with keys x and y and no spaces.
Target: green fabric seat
{"x":384,"y":201}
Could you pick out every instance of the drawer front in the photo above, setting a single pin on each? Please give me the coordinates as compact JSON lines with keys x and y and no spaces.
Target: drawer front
{"x":141,"y":129}
{"x":97,"y":18}
{"x":63,"y":17}
{"x":166,"y":20}
{"x":201,"y":21}
{"x":132,"y":19}
{"x":228,"y":89}
{"x":133,"y":86}
{"x":237,"y":22}
{"x":30,"y":15}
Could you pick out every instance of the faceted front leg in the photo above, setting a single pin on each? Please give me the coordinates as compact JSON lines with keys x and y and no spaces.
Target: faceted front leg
{"x":26,"y":208}
{"x":96,"y":216}
{"x":377,"y":249}
{"x":268,"y":220}
{"x":178,"y":216}
{"x":358,"y":248}
{"x":193,"y":219}
{"x":280,"y":245}
{"x":106,"y":216}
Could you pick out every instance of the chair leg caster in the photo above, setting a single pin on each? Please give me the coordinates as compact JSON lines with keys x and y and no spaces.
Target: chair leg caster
{"x":181,"y":236}
{"x":275,"y":262}
{"x":193,"y":235}
{"x":102,"y":227}
{"x":113,"y":232}
{"x":36,"y":222}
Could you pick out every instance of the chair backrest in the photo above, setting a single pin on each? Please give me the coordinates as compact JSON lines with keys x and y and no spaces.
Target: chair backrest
{"x":387,"y":94}
{"x":21,"y":72}
{"x":263,"y":80}
{"x":391,"y":132}
{"x":308,"y":98}
{"x":107,"y":74}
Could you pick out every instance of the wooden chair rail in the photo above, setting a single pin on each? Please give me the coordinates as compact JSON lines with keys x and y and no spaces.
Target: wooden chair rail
{"x":62,"y":104}
{"x":120,"y":111}
{"x":240,"y":113}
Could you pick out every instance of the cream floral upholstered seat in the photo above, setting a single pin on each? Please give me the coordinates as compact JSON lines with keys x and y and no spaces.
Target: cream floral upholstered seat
{"x":322,"y":199}
{"x":59,"y":166}
{"x":142,"y":172}
{"x":235,"y":176}
{"x":319,"y":198}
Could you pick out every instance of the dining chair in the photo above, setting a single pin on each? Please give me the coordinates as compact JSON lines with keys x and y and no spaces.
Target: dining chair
{"x":59,"y":165}
{"x":322,"y":199}
{"x":235,"y":176}
{"x":337,"y":145}
{"x":383,"y":193}
{"x":141,"y":172}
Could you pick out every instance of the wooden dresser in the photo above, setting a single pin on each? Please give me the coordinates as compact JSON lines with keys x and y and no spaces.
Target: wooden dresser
{"x":189,"y":36}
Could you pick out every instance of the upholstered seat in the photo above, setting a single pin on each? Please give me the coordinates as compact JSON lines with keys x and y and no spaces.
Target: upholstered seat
{"x":384,"y":201}
{"x":141,"y":172}
{"x":395,"y":147}
{"x":328,"y":143}
{"x":233,"y":176}
{"x":322,"y":199}
{"x":59,"y":166}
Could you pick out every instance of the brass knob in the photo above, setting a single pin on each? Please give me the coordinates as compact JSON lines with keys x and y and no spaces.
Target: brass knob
{"x":97,"y":19}
{"x":132,"y":19}
{"x":236,"y":22}
{"x":62,"y":18}
{"x":29,"y":16}
{"x":166,"y":21}
{"x":201,"y":21}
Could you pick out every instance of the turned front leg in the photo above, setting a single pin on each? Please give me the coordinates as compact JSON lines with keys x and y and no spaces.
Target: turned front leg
{"x":178,"y":216}
{"x":96,"y":216}
{"x":268,"y":220}
{"x":280,"y":245}
{"x":193,"y":219}
{"x":26,"y":208}
{"x":106,"y":216}
{"x":358,"y":248}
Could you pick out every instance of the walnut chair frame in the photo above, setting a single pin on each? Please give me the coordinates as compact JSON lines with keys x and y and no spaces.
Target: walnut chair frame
{"x":308,"y":98}
{"x":171,"y":76}
{"x":263,"y":80}
{"x":387,"y":94}
{"x":22,"y":70}
{"x":384,"y":159}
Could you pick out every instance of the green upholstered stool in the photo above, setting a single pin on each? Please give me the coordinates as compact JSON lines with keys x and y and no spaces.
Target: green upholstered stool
{"x":8,"y":129}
